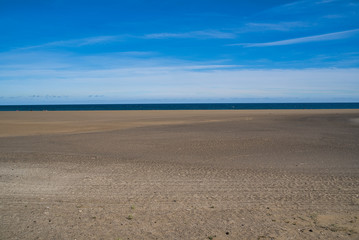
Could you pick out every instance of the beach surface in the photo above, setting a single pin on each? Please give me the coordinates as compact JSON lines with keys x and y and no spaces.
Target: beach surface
{"x":247,"y":174}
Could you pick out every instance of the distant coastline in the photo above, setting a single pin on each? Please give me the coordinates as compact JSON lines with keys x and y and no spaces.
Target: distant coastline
{"x":179,"y":106}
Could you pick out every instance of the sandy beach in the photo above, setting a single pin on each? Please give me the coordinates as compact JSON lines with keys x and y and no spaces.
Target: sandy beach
{"x":248,"y":174}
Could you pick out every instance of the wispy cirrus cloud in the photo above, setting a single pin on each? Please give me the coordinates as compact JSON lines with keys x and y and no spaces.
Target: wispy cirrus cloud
{"x":282,"y":26}
{"x":283,"y":7}
{"x":303,"y":3}
{"x":205,"y":34}
{"x":296,"y":7}
{"x":334,"y":16}
{"x":76,"y":42}
{"x":324,"y":1}
{"x":315,"y":38}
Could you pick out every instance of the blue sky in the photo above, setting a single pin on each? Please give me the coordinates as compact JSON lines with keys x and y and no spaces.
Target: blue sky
{"x":139,"y":51}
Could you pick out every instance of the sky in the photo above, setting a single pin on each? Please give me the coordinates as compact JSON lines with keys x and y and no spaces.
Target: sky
{"x":178,"y":51}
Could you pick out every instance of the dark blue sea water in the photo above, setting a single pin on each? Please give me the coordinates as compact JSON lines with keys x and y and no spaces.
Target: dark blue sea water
{"x":179,"y":106}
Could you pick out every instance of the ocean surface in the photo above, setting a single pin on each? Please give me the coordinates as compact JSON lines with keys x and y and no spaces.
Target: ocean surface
{"x":179,"y":106}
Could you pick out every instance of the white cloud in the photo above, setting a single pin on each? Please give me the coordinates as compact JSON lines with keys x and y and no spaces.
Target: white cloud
{"x":76,"y":42}
{"x":182,"y":81}
{"x":194,"y":34}
{"x":315,"y":38}
{"x":205,"y":34}
{"x":124,"y":76}
{"x":308,"y":8}
{"x":334,"y":16}
{"x":325,"y":1}
{"x":284,"y":8}
{"x":282,"y":26}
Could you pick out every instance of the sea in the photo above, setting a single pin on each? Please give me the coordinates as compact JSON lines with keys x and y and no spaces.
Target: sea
{"x":179,"y":106}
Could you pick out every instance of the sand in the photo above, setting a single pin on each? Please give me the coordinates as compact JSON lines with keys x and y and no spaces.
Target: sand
{"x":279,"y":174}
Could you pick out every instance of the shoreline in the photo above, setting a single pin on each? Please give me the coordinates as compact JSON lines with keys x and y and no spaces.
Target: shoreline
{"x":182,"y":106}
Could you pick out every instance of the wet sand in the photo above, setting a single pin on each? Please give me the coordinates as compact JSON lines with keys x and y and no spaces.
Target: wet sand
{"x":279,"y":174}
